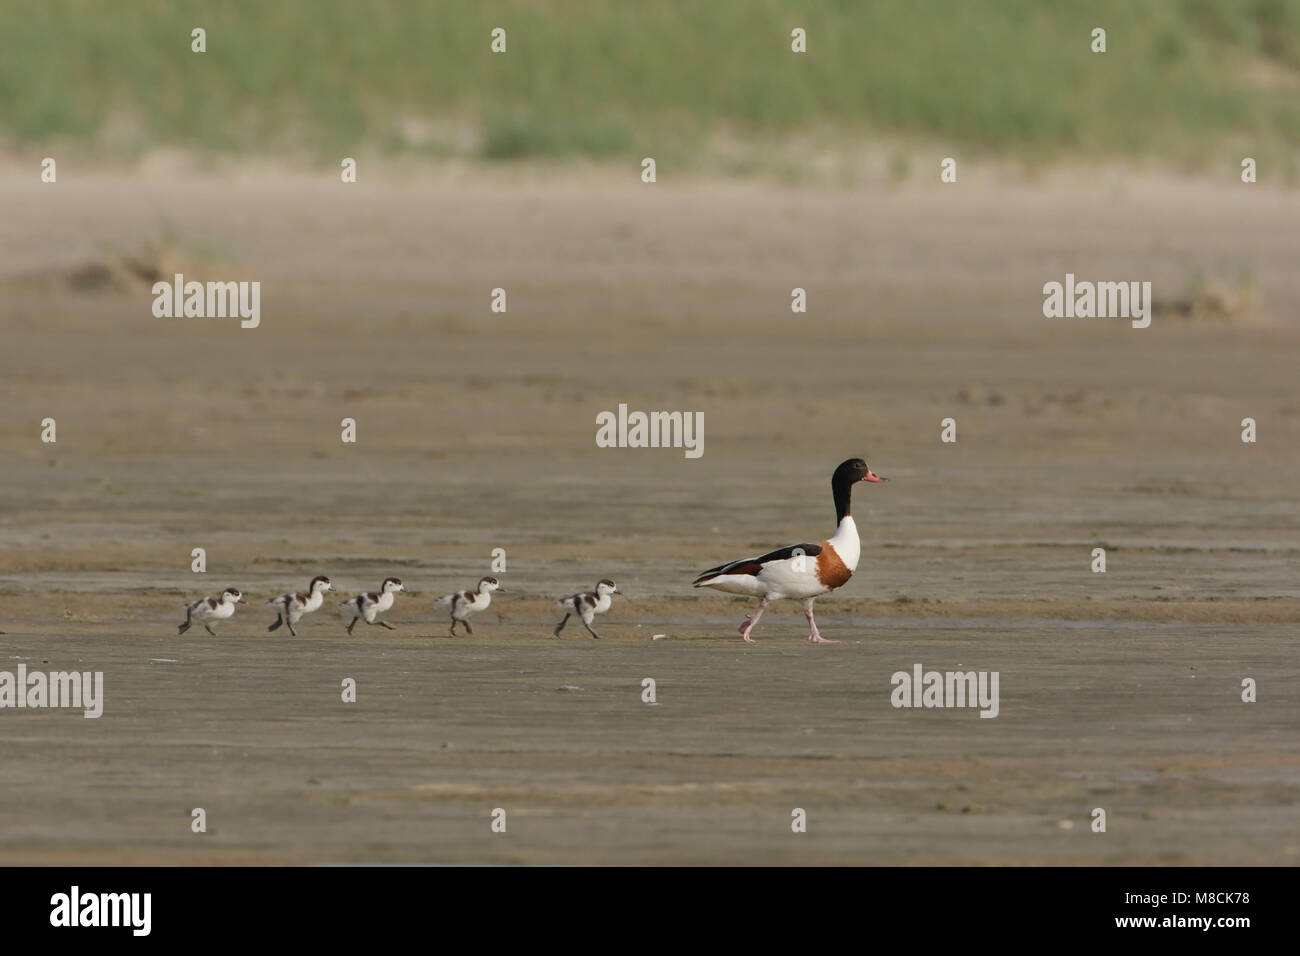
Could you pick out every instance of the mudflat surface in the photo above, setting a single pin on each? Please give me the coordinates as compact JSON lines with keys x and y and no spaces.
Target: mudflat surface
{"x":476,"y":431}
{"x":1144,"y":722}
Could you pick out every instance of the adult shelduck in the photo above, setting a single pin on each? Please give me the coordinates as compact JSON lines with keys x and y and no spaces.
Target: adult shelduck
{"x":465,"y":603}
{"x":801,"y":571}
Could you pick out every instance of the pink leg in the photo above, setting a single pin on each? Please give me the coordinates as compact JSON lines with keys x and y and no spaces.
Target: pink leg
{"x":815,"y":636}
{"x":751,"y":620}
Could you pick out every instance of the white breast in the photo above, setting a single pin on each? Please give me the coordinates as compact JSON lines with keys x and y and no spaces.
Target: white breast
{"x":847,"y":544}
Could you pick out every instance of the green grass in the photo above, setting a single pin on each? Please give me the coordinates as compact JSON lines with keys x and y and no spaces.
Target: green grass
{"x":1184,"y":81}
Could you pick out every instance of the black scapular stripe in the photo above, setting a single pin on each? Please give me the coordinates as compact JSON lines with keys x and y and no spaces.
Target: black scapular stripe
{"x":754,"y":565}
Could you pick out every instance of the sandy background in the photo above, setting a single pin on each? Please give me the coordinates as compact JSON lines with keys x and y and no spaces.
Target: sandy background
{"x":476,"y":431}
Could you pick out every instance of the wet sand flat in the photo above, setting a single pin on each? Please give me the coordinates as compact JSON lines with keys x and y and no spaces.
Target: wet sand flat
{"x":476,"y":431}
{"x":557,"y":734}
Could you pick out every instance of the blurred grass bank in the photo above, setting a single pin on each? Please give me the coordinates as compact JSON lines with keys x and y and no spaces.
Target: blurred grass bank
{"x":1188,"y":83}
